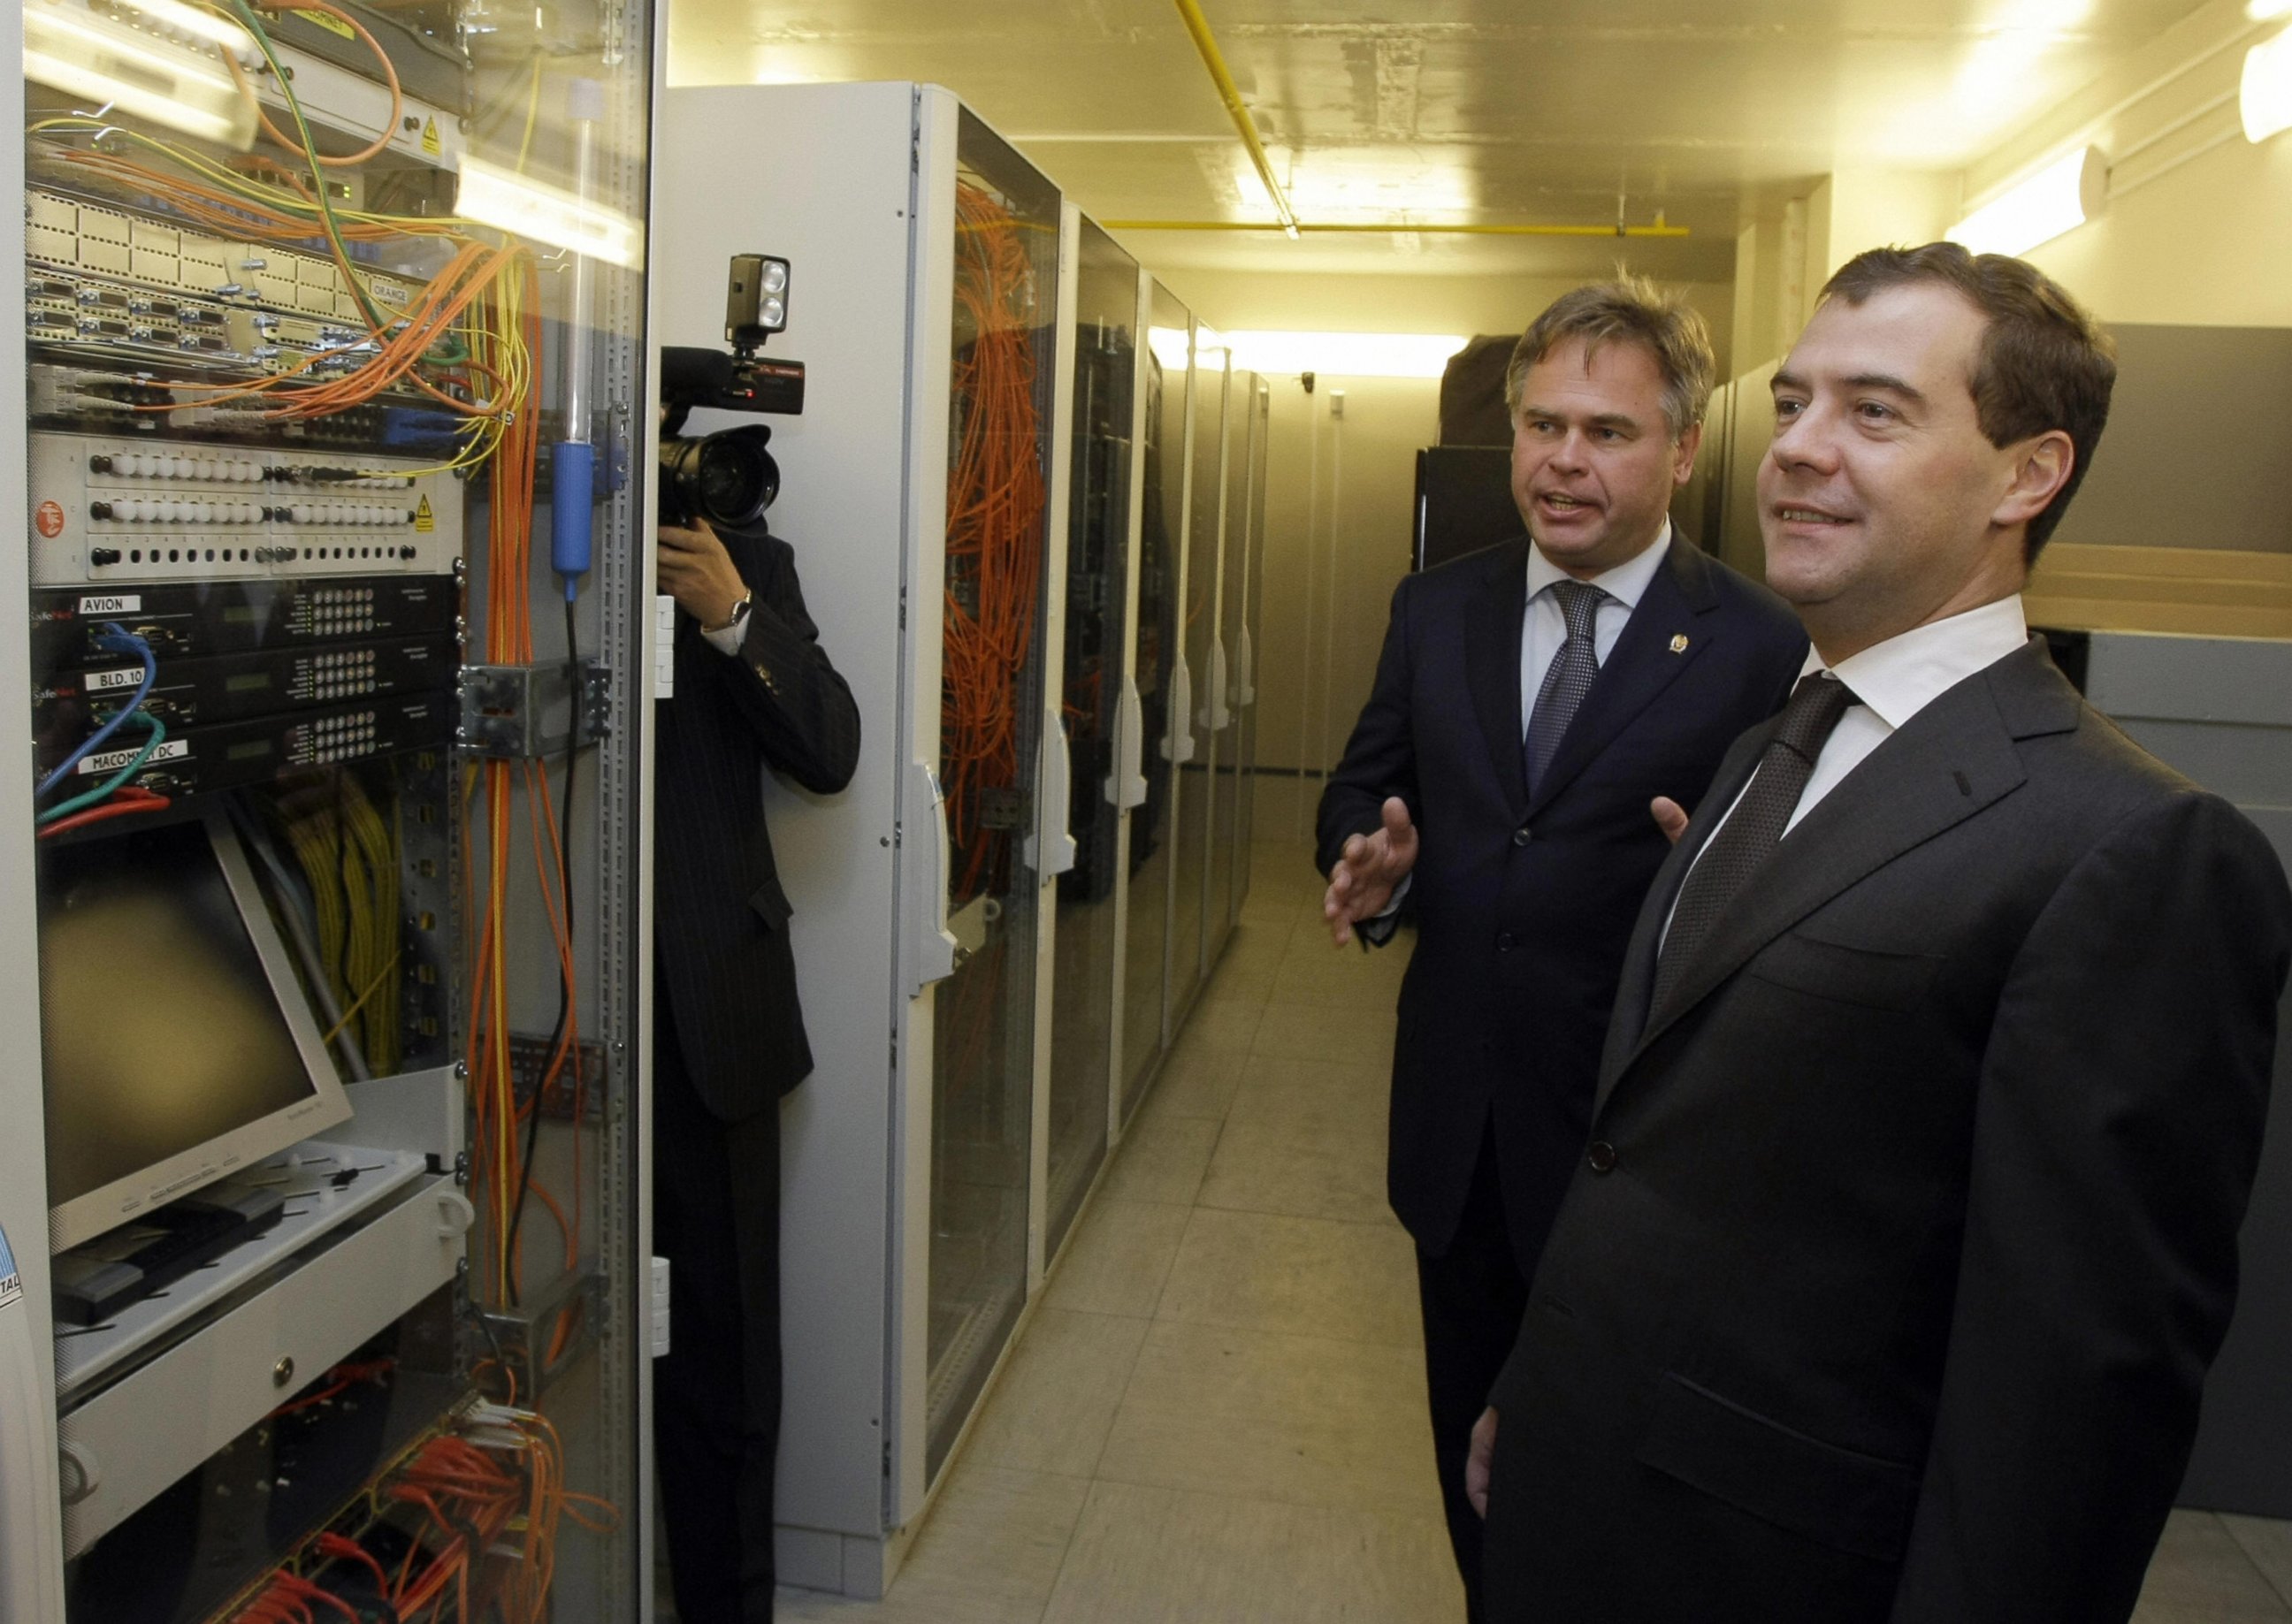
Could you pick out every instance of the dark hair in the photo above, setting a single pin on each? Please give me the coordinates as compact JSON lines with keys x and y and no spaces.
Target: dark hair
{"x":1629,"y":309}
{"x":2044,"y":363}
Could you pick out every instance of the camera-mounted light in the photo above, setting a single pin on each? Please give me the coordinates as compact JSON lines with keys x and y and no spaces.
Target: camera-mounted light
{"x":756,"y":301}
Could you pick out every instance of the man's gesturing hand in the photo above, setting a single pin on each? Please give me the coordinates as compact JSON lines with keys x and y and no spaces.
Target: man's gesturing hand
{"x":1669,"y":816}
{"x":1361,"y":883}
{"x":1476,"y":1464}
{"x":697,"y":571}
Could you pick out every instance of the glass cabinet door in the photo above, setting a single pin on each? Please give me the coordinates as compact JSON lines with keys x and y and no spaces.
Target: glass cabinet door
{"x":1161,"y":540}
{"x":1250,"y":679}
{"x":1098,"y":550}
{"x":336,"y":373}
{"x":999,"y":423}
{"x":1204,"y":519}
{"x":1225,"y":717}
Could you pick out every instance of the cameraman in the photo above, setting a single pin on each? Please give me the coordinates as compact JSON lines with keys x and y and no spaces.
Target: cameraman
{"x":754,"y":689}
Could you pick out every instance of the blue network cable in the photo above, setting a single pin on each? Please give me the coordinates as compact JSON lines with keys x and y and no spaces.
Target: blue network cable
{"x":112,"y":638}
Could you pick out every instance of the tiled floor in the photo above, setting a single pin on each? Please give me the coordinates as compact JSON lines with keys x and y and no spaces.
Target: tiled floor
{"x":1216,"y":1414}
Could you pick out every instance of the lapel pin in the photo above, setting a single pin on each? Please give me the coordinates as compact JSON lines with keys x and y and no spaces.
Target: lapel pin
{"x":1679,"y":643}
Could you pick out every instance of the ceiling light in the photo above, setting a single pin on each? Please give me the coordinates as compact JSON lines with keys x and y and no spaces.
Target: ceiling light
{"x":144,"y":72}
{"x":2266,"y":10}
{"x":2265,"y":95}
{"x":1172,"y":346}
{"x":2060,"y":198}
{"x":1357,"y":355}
{"x":526,"y":207}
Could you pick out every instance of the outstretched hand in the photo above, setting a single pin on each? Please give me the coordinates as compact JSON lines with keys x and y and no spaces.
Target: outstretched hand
{"x":1361,"y":883}
{"x":1481,"y":1457}
{"x":1670,"y":817}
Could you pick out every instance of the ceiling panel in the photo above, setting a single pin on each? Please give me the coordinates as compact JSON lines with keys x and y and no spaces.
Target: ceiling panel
{"x":1466,"y":112}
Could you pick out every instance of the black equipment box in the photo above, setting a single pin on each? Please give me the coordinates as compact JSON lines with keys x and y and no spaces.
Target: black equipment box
{"x":191,"y":618}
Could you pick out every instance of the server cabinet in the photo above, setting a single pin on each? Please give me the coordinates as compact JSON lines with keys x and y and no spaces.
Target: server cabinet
{"x":1231,"y":654}
{"x":326,"y":881}
{"x":1159,"y":672}
{"x":925,"y":281}
{"x":1251,"y":618}
{"x":1203,"y":723}
{"x":1102,"y":710}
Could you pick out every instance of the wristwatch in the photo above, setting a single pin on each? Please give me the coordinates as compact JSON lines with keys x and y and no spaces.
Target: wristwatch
{"x":739,"y":613}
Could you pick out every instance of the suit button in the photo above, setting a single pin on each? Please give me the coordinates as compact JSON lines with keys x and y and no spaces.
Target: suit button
{"x":1603,"y":1156}
{"x":1521,"y":837}
{"x":1506,"y":942}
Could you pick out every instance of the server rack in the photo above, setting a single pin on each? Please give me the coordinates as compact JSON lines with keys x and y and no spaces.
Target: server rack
{"x":300,"y":464}
{"x":1160,"y":673}
{"x":923,"y":492}
{"x":1101,"y":704}
{"x":1204,"y":721}
{"x":1232,"y":682}
{"x":1252,"y":583}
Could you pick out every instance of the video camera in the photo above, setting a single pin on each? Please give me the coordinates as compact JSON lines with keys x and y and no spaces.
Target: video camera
{"x":729,"y":478}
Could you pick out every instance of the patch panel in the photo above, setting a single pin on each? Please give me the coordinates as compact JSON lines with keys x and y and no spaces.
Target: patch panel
{"x":66,"y":233}
{"x":109,"y":508}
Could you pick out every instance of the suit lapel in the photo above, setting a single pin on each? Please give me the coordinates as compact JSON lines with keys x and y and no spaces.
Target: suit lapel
{"x":1637,"y":987}
{"x":1660,"y":640}
{"x":1492,"y":634}
{"x":1951,"y":760}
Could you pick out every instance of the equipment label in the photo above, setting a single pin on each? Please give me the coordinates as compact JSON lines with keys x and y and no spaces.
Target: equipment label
{"x":430,"y":142}
{"x":130,"y":603}
{"x":101,"y":681}
{"x":112,"y":760}
{"x":424,"y":520}
{"x":11,"y":1283}
{"x":49,"y":520}
{"x":331,"y":24}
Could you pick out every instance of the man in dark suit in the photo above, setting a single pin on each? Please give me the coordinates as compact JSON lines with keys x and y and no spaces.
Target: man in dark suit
{"x":1530,"y":703}
{"x":754,"y":690}
{"x":1885,"y":1287}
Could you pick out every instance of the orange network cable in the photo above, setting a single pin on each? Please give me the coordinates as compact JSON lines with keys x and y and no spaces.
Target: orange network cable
{"x":993,"y":528}
{"x":389,"y":73}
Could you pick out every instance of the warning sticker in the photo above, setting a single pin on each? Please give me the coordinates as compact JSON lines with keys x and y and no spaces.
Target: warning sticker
{"x":424,"y":520}
{"x":330,"y":23}
{"x":49,"y":520}
{"x":429,"y":141}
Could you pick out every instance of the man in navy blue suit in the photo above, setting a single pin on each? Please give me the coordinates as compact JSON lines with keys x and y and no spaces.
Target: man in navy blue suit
{"x":1542,"y":711}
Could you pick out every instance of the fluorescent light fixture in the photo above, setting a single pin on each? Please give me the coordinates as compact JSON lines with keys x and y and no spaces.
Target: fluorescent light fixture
{"x":1357,"y":355}
{"x":2266,"y":10}
{"x":525,"y":208}
{"x":145,"y":74}
{"x":1170,"y":347}
{"x":2060,"y":198}
{"x":2265,"y":95}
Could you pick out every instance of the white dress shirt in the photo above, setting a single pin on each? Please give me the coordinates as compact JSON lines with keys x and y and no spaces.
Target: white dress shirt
{"x":1544,"y":629}
{"x":1893,"y":681}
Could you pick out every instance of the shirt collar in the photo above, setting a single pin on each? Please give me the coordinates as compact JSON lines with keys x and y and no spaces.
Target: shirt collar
{"x":1624,"y":583}
{"x":1899,"y":678}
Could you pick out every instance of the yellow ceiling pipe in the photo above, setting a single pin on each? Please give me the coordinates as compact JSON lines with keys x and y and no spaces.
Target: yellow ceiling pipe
{"x":1214,"y":59}
{"x":1368,"y":228}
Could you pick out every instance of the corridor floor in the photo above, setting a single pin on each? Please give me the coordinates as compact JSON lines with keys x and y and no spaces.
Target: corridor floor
{"x":1216,"y":1416}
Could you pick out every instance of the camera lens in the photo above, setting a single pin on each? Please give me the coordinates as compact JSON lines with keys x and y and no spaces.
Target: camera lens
{"x":728,"y":479}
